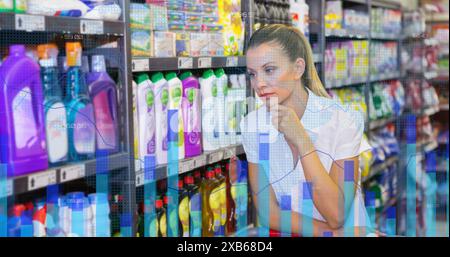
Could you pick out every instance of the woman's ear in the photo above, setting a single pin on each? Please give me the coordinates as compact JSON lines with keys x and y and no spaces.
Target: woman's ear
{"x":300,"y":67}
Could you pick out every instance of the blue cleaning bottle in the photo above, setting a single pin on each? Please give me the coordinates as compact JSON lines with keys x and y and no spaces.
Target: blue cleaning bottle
{"x":80,"y":111}
{"x":55,"y":111}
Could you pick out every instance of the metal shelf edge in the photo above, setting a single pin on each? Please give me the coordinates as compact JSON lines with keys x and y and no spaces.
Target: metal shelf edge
{"x":83,"y":169}
{"x":207,"y":158}
{"x":62,"y":24}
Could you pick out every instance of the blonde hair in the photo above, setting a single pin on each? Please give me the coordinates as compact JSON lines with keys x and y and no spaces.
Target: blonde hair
{"x":295,"y":45}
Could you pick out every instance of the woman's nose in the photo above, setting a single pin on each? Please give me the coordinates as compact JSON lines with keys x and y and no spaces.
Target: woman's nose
{"x":260,"y":83}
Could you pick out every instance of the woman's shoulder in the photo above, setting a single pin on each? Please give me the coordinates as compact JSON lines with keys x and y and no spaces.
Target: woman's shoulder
{"x":332,"y":112}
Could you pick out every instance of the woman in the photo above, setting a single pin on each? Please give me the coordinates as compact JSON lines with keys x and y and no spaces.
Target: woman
{"x":312,"y":143}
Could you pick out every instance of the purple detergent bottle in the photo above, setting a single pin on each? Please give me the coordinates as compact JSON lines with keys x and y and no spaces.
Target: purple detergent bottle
{"x":103,"y":94}
{"x":22,"y":129}
{"x":191,"y":115}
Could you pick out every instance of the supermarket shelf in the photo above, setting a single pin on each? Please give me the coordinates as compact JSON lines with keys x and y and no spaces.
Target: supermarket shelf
{"x":430,"y":75}
{"x":385,"y":76}
{"x":386,"y":4}
{"x":330,"y":84}
{"x":431,"y":42}
{"x":191,"y":164}
{"x":438,"y":17}
{"x":413,"y":37}
{"x":39,"y":23}
{"x":66,"y":173}
{"x":377,"y":169}
{"x":384,"y":36}
{"x":186,"y":63}
{"x":247,"y":231}
{"x":443,"y":107}
{"x":431,"y":110}
{"x":356,"y":1}
{"x":343,"y":33}
{"x":381,"y":123}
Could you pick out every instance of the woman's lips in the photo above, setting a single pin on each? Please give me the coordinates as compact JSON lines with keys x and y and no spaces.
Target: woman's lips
{"x":267,"y":95}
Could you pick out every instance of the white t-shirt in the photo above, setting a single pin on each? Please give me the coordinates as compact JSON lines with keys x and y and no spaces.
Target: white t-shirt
{"x":336,"y":132}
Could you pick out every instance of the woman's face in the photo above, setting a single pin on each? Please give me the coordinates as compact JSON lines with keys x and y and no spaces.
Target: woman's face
{"x":272,"y":74}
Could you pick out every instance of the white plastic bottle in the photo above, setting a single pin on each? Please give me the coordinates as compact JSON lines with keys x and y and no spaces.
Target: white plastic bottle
{"x":175,"y":102}
{"x":100,"y":225}
{"x":136,"y":125}
{"x":232,"y":101}
{"x":241,"y":110}
{"x":300,"y":15}
{"x":222,"y":92}
{"x":305,"y":9}
{"x":146,"y":114}
{"x":161,"y":109}
{"x":208,"y":88}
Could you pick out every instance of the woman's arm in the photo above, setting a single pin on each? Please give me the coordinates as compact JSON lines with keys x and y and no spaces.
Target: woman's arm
{"x":328,"y":189}
{"x":273,"y":220}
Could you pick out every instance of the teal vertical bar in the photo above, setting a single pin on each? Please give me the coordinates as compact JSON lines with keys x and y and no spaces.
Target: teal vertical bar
{"x":126,"y":221}
{"x":391,"y":223}
{"x":242,"y":198}
{"x":371,"y":210}
{"x":349,"y":187}
{"x":447,"y":190}
{"x":150,"y":228}
{"x":430,"y":213}
{"x":308,"y":206}
{"x":3,"y":200}
{"x":285,"y":216}
{"x":263,"y":183}
{"x":52,"y":222}
{"x":411,"y":140}
{"x":172,"y":175}
{"x":102,"y":205}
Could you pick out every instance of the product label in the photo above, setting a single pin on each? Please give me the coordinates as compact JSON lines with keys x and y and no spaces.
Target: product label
{"x":223,"y":203}
{"x":25,"y":127}
{"x":21,"y":5}
{"x":153,"y":226}
{"x":104,"y":121}
{"x":6,"y":4}
{"x":163,"y":225}
{"x":193,"y":117}
{"x":216,"y":208}
{"x":56,"y":132}
{"x":195,"y":206}
{"x":173,"y":222}
{"x":164,"y":112}
{"x":183,"y":213}
{"x":84,"y":130}
{"x":151,"y":130}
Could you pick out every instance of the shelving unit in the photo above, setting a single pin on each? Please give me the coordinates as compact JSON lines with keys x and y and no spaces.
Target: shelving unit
{"x":112,"y":174}
{"x":128,"y":172}
{"x":191,"y":164}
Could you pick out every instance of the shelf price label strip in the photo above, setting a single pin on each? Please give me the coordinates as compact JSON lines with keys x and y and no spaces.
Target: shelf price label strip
{"x":91,"y":27}
{"x":72,"y":172}
{"x":29,"y":23}
{"x":42,"y":179}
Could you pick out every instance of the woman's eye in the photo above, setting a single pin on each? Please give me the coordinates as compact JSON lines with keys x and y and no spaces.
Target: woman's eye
{"x":251,"y":75}
{"x":269,"y":70}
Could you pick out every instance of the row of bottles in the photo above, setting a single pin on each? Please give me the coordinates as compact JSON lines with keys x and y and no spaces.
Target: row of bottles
{"x":200,"y":114}
{"x":70,"y":215}
{"x":210,"y":203}
{"x":271,"y":12}
{"x":43,"y":126}
{"x":289,"y":12}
